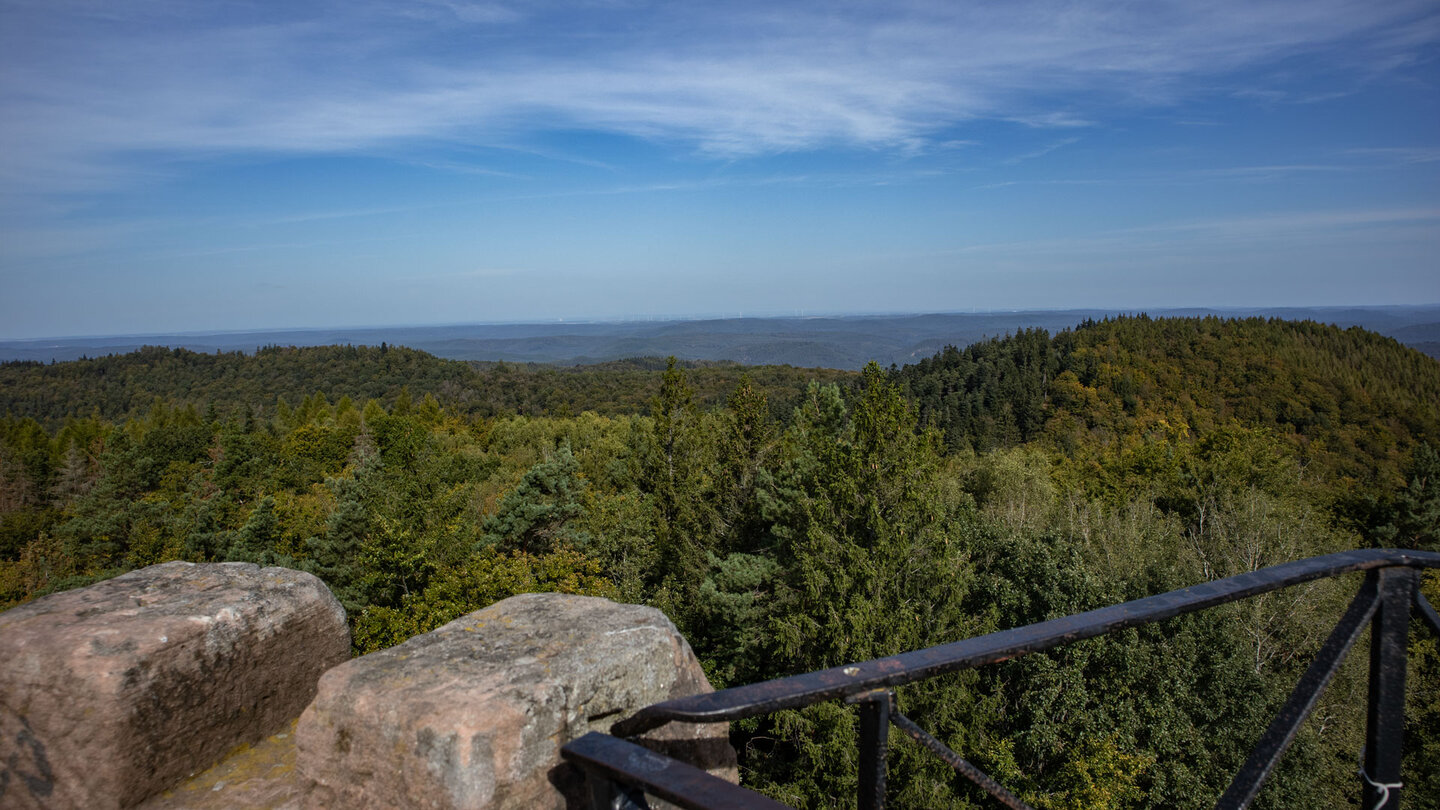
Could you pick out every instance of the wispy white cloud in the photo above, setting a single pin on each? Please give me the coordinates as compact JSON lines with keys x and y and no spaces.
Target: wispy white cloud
{"x":1282,"y":227}
{"x":467,"y":11}
{"x":460,"y":167}
{"x":1051,"y":120}
{"x":1214,"y":174}
{"x":1181,"y":237}
{"x":94,"y":92}
{"x":323,"y":215}
{"x":1400,"y":154}
{"x":1043,"y":151}
{"x":1010,"y":183}
{"x":1266,"y":172}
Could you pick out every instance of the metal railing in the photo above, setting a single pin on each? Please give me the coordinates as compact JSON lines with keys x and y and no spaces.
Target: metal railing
{"x":620,"y":773}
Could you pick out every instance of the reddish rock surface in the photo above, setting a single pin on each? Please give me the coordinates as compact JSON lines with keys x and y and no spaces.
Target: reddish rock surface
{"x":473,"y":714}
{"x":117,"y":691}
{"x":253,"y":777}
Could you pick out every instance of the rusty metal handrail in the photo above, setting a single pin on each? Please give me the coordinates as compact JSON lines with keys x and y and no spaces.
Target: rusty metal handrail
{"x":1384,"y":600}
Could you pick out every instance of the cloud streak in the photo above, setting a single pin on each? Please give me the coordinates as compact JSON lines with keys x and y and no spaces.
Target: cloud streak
{"x":94,"y":94}
{"x":1278,"y":227}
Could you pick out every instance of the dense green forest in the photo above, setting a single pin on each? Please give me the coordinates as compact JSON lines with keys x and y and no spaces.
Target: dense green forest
{"x":789,"y":520}
{"x":118,"y":387}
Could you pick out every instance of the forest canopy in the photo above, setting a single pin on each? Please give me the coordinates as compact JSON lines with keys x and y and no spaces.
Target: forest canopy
{"x":790,"y":519}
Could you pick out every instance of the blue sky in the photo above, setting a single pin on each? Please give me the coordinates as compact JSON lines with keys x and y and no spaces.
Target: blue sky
{"x":168,"y":165}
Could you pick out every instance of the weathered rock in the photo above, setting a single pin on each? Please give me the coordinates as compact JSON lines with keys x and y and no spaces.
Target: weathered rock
{"x":253,"y":777}
{"x":116,"y":691}
{"x":473,"y":714}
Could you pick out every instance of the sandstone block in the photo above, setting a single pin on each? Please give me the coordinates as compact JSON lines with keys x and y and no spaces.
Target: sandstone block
{"x":252,"y":777}
{"x":116,"y":691}
{"x":473,"y":714}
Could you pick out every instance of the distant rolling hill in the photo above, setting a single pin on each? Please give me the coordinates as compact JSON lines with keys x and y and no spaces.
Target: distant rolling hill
{"x":120,"y":386}
{"x":847,"y":342}
{"x":1350,"y":402}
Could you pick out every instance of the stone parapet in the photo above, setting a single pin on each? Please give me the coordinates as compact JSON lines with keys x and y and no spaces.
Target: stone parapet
{"x":473,"y":715}
{"x":117,"y":691}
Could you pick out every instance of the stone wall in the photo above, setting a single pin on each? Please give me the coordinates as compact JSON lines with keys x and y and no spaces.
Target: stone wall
{"x":111,"y":694}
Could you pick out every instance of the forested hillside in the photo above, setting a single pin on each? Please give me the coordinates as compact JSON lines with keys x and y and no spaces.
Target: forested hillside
{"x":1009,"y":482}
{"x":1348,"y":405}
{"x":231,"y":384}
{"x":1355,"y":392}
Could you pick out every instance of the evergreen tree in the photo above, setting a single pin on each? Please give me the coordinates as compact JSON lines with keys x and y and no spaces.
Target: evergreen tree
{"x":674,"y":477}
{"x":207,"y":539}
{"x":429,"y":411}
{"x":258,"y":540}
{"x":17,"y":490}
{"x":403,"y":403}
{"x":541,"y":513}
{"x":726,"y":622}
{"x":1415,"y":515}
{"x":284,"y":415}
{"x":874,"y":565}
{"x":335,"y":557}
{"x":745,"y":458}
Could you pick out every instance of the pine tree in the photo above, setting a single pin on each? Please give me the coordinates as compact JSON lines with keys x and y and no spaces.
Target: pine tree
{"x":538,"y":515}
{"x":874,"y":565}
{"x":745,"y":457}
{"x":403,"y":403}
{"x":335,"y":558}
{"x":259,"y":539}
{"x":673,"y":475}
{"x":17,"y":491}
{"x":429,"y":412}
{"x":1415,"y":516}
{"x":74,"y":478}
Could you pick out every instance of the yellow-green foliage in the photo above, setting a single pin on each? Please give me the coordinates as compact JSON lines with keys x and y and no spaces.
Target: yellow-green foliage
{"x":1098,"y":776}
{"x":482,"y":580}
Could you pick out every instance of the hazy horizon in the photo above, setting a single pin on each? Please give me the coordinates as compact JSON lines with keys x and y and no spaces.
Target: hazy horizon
{"x":703,"y":316}
{"x":835,"y":340}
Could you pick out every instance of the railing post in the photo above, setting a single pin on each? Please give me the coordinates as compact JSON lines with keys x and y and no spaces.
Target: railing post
{"x":606,"y":794}
{"x":874,"y":746}
{"x":1389,"y":637}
